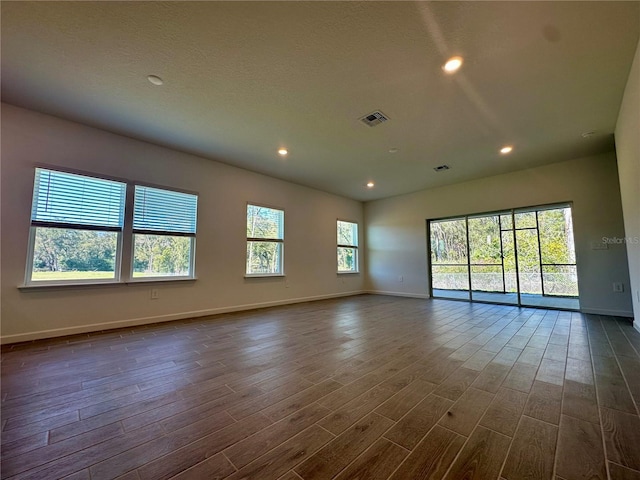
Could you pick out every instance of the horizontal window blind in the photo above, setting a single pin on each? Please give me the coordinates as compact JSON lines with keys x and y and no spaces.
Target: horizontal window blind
{"x":158,"y":210}
{"x":265,"y":223}
{"x":77,"y":200}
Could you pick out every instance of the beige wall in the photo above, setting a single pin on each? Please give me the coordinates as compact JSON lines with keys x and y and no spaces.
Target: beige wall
{"x":628,"y":151}
{"x":30,"y":138}
{"x":394,"y":235}
{"x":396,"y":227}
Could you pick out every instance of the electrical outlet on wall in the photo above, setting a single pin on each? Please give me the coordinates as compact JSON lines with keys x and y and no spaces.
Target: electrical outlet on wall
{"x":154,"y":294}
{"x":400,"y":278}
{"x":618,"y":287}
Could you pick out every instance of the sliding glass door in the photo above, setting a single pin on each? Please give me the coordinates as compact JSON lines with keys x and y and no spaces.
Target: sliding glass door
{"x":518,"y":257}
{"x":555,"y":275}
{"x":492,"y":272}
{"x":449,"y":259}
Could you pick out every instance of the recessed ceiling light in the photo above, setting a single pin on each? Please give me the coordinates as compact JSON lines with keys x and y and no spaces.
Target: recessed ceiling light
{"x":156,"y":80}
{"x":452,"y":65}
{"x":283,"y":151}
{"x":506,"y":149}
{"x":370,"y":185}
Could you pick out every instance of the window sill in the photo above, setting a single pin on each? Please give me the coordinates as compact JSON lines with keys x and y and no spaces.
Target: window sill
{"x":265,"y":275}
{"x":70,"y":285}
{"x":347,"y":273}
{"x":136,"y":281}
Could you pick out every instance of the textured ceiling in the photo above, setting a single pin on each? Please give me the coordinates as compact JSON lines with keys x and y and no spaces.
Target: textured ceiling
{"x":245,"y":78}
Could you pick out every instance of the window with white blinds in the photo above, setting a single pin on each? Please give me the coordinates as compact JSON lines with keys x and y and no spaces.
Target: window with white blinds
{"x":159,"y":210}
{"x":265,"y":241}
{"x":77,"y":201}
{"x":78,"y":230}
{"x":164,"y":231}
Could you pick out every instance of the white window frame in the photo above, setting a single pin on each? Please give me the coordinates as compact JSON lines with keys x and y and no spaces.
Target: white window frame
{"x":28,"y":281}
{"x":124,"y":243}
{"x":166,"y":233}
{"x":354,"y":247}
{"x":277,"y":240}
{"x":35,"y":225}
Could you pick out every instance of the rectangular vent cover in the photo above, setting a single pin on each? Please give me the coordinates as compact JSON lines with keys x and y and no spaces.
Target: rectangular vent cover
{"x":441,"y":168}
{"x":374,"y":118}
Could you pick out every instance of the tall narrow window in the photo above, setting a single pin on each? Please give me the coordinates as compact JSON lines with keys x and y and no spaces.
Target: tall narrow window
{"x":265,"y":241}
{"x":76,"y":228}
{"x":164,"y":233}
{"x":347,"y":247}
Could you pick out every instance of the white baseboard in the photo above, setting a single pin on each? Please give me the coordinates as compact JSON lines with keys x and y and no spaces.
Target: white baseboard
{"x":603,"y":311}
{"x":596,"y":311}
{"x":398,"y":294}
{"x":96,"y":327}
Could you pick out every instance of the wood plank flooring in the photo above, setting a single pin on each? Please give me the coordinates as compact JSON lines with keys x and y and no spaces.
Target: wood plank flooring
{"x":367,"y":387}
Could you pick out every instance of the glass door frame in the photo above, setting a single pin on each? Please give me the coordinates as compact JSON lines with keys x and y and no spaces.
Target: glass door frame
{"x":501,"y":264}
{"x":499,"y":213}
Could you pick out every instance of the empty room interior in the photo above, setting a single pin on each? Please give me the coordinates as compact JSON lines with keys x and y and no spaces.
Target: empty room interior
{"x":317,"y":240}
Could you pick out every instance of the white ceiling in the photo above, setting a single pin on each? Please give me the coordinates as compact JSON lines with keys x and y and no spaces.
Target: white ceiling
{"x":245,"y":78}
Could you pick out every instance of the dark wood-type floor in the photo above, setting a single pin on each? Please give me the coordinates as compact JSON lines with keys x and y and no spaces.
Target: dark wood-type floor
{"x":367,"y":387}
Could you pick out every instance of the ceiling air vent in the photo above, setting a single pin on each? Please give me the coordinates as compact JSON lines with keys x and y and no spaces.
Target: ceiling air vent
{"x":374,"y":118}
{"x":441,"y":168}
